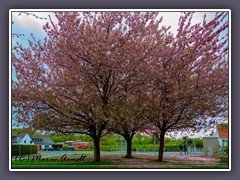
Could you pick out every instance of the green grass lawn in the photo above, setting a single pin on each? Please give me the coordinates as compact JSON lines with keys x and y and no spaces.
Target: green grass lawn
{"x":108,"y":165}
{"x":62,"y":165}
{"x":117,"y":162}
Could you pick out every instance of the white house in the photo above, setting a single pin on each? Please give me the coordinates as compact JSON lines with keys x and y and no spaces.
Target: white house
{"x":43,"y":142}
{"x":23,"y":139}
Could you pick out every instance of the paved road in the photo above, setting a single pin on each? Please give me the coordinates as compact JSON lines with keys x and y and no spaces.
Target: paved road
{"x":60,"y":153}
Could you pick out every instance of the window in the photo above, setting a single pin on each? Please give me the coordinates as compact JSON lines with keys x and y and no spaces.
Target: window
{"x":30,"y":142}
{"x":25,"y":141}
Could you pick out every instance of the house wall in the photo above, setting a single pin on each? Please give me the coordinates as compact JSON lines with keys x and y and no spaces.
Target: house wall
{"x":26,"y":140}
{"x":220,"y":141}
{"x":215,"y":134}
{"x":210,"y":144}
{"x":223,"y":142}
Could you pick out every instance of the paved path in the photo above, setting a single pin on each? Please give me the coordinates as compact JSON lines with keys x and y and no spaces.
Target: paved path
{"x":60,"y":153}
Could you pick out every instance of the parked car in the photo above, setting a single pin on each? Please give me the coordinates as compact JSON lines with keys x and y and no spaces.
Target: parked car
{"x":59,"y":149}
{"x":81,"y":145}
{"x":48,"y":149}
{"x":70,"y":148}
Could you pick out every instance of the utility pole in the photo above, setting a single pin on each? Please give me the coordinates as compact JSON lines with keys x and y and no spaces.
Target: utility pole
{"x":185,"y":138}
{"x":121,"y":144}
{"x":19,"y":149}
{"x":154,"y":141}
{"x":194,"y":143}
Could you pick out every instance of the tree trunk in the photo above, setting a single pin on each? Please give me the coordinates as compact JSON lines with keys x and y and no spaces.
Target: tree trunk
{"x":129,"y":147}
{"x":96,"y":150}
{"x":161,"y":146}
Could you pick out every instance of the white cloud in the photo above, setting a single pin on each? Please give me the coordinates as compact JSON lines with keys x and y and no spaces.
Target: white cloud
{"x":198,"y":16}
{"x":172,"y":18}
{"x":30,"y":22}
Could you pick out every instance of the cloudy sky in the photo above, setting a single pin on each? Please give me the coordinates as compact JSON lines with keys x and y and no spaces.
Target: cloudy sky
{"x":27,"y":24}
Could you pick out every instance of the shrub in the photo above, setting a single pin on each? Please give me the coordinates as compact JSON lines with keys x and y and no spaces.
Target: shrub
{"x":104,"y":143}
{"x":171,"y":147}
{"x":65,"y":147}
{"x":141,"y":139}
{"x":109,"y":147}
{"x":199,"y":143}
{"x":146,"y":147}
{"x":24,"y":149}
{"x":222,"y":154}
{"x":111,"y":141}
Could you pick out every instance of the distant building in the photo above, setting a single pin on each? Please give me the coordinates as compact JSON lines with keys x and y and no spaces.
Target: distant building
{"x":222,"y":134}
{"x":58,"y":146}
{"x":22,"y":138}
{"x":25,"y":139}
{"x":217,"y":140}
{"x":69,"y":143}
{"x":81,"y":145}
{"x":43,"y":142}
{"x":210,"y":145}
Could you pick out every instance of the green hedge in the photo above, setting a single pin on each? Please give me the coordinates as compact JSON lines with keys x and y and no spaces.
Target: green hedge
{"x":146,"y":147}
{"x":150,"y":147}
{"x":108,"y":147}
{"x":169,"y":147}
{"x":24,"y":149}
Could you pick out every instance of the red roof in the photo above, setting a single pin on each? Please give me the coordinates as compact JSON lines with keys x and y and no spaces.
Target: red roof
{"x":222,"y":130}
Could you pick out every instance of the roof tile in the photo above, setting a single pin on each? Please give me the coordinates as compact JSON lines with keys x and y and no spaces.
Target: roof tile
{"x":222,"y":130}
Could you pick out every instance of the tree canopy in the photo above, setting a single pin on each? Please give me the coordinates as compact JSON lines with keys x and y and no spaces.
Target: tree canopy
{"x":96,"y":71}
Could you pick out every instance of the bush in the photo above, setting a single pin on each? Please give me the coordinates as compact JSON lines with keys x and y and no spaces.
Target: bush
{"x":104,"y":143}
{"x":142,"y":140}
{"x":146,"y":147}
{"x":109,"y":147}
{"x":24,"y":149}
{"x":222,"y":154}
{"x":150,"y":147}
{"x":111,"y":141}
{"x":65,"y":147}
{"x":199,"y":143}
{"x":171,"y":147}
